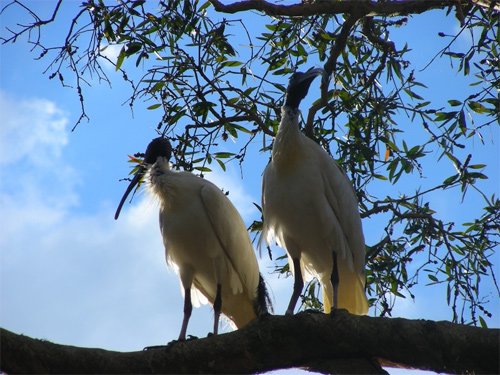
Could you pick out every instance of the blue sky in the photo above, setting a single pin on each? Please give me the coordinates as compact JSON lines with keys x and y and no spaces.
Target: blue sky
{"x":72,"y":274}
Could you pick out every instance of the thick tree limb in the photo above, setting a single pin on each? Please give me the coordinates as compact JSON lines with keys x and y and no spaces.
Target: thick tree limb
{"x":341,"y":343}
{"x":365,"y":7}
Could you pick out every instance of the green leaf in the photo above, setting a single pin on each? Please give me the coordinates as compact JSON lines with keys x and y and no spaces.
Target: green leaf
{"x":119,"y":60}
{"x":232,"y":63}
{"x":481,"y":176}
{"x":454,"y":102}
{"x":272,"y":27}
{"x":466,"y":67}
{"x":238,"y":127}
{"x":411,"y":94}
{"x":380,"y":177}
{"x":422,"y":104}
{"x":451,"y":179}
{"x":478,"y":107}
{"x":154,"y":106}
{"x":203,"y":169}
{"x":133,"y":48}
{"x":433,"y":278}
{"x":455,"y":55}
{"x":221,"y":163}
{"x":462,"y":124}
{"x":223,"y":155}
{"x":482,"y":322}
{"x":108,"y":31}
{"x":445,"y":116}
{"x":477,"y":166}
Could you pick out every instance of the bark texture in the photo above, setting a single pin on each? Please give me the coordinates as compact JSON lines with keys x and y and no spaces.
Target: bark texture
{"x":309,"y":8}
{"x":337,"y":343}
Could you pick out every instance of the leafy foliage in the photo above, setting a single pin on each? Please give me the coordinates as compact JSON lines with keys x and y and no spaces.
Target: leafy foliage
{"x":212,"y":77}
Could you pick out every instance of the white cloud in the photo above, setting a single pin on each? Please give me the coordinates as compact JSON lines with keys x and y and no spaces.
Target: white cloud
{"x":32,"y":138}
{"x":34,"y":130}
{"x":67,"y":277}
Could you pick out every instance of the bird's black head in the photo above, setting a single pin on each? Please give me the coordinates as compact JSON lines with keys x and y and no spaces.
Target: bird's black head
{"x":158,"y":147}
{"x":298,"y":86}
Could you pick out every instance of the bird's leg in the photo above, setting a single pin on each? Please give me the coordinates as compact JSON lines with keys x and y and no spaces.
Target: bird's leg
{"x":217,"y":308}
{"x":335,"y":280}
{"x":297,"y":287}
{"x":188,"y":307}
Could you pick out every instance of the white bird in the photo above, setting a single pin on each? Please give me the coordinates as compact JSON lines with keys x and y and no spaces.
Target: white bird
{"x":206,"y":238}
{"x":310,"y":209}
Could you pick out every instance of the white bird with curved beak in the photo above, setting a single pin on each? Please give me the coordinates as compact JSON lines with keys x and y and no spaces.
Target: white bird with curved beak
{"x":205,"y":237}
{"x":310,"y":209}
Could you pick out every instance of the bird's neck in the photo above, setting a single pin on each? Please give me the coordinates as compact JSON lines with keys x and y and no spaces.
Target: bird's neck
{"x":288,"y":137}
{"x":158,"y":170}
{"x":160,"y":182}
{"x":161,"y":166}
{"x":289,"y":125}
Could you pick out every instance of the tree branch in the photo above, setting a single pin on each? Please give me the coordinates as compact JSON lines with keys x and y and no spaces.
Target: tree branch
{"x":339,"y":342}
{"x":383,"y":8}
{"x":329,"y":66}
{"x":27,"y":28}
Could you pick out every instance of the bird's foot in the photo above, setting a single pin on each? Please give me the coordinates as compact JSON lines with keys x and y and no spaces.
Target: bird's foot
{"x":173,"y":342}
{"x":335,"y":312}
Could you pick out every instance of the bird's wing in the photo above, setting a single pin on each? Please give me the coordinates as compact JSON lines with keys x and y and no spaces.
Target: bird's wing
{"x":342,"y":199}
{"x":264,"y":235}
{"x":233,"y":236}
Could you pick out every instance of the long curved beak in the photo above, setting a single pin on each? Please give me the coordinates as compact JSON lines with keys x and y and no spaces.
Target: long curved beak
{"x":139,"y":174}
{"x":313,"y":72}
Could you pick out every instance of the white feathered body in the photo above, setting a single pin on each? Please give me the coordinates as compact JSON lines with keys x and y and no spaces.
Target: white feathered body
{"x":206,"y":238}
{"x":310,"y":208}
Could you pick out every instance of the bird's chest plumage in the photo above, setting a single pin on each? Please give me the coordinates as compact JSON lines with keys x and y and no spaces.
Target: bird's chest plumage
{"x":291,"y":198}
{"x":294,"y":197}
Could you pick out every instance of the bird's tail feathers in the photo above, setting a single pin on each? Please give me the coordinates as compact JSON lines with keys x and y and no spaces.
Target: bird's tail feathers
{"x":351,"y":294}
{"x":262,"y":304}
{"x":264,"y":239}
{"x":327,"y":302}
{"x":242,"y":308}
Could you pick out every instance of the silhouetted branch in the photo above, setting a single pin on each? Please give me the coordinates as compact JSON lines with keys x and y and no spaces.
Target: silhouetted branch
{"x":334,"y":7}
{"x":340,"y":343}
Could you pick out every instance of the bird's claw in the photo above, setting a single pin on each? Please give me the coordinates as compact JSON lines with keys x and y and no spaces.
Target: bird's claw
{"x":173,"y":342}
{"x":335,"y":312}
